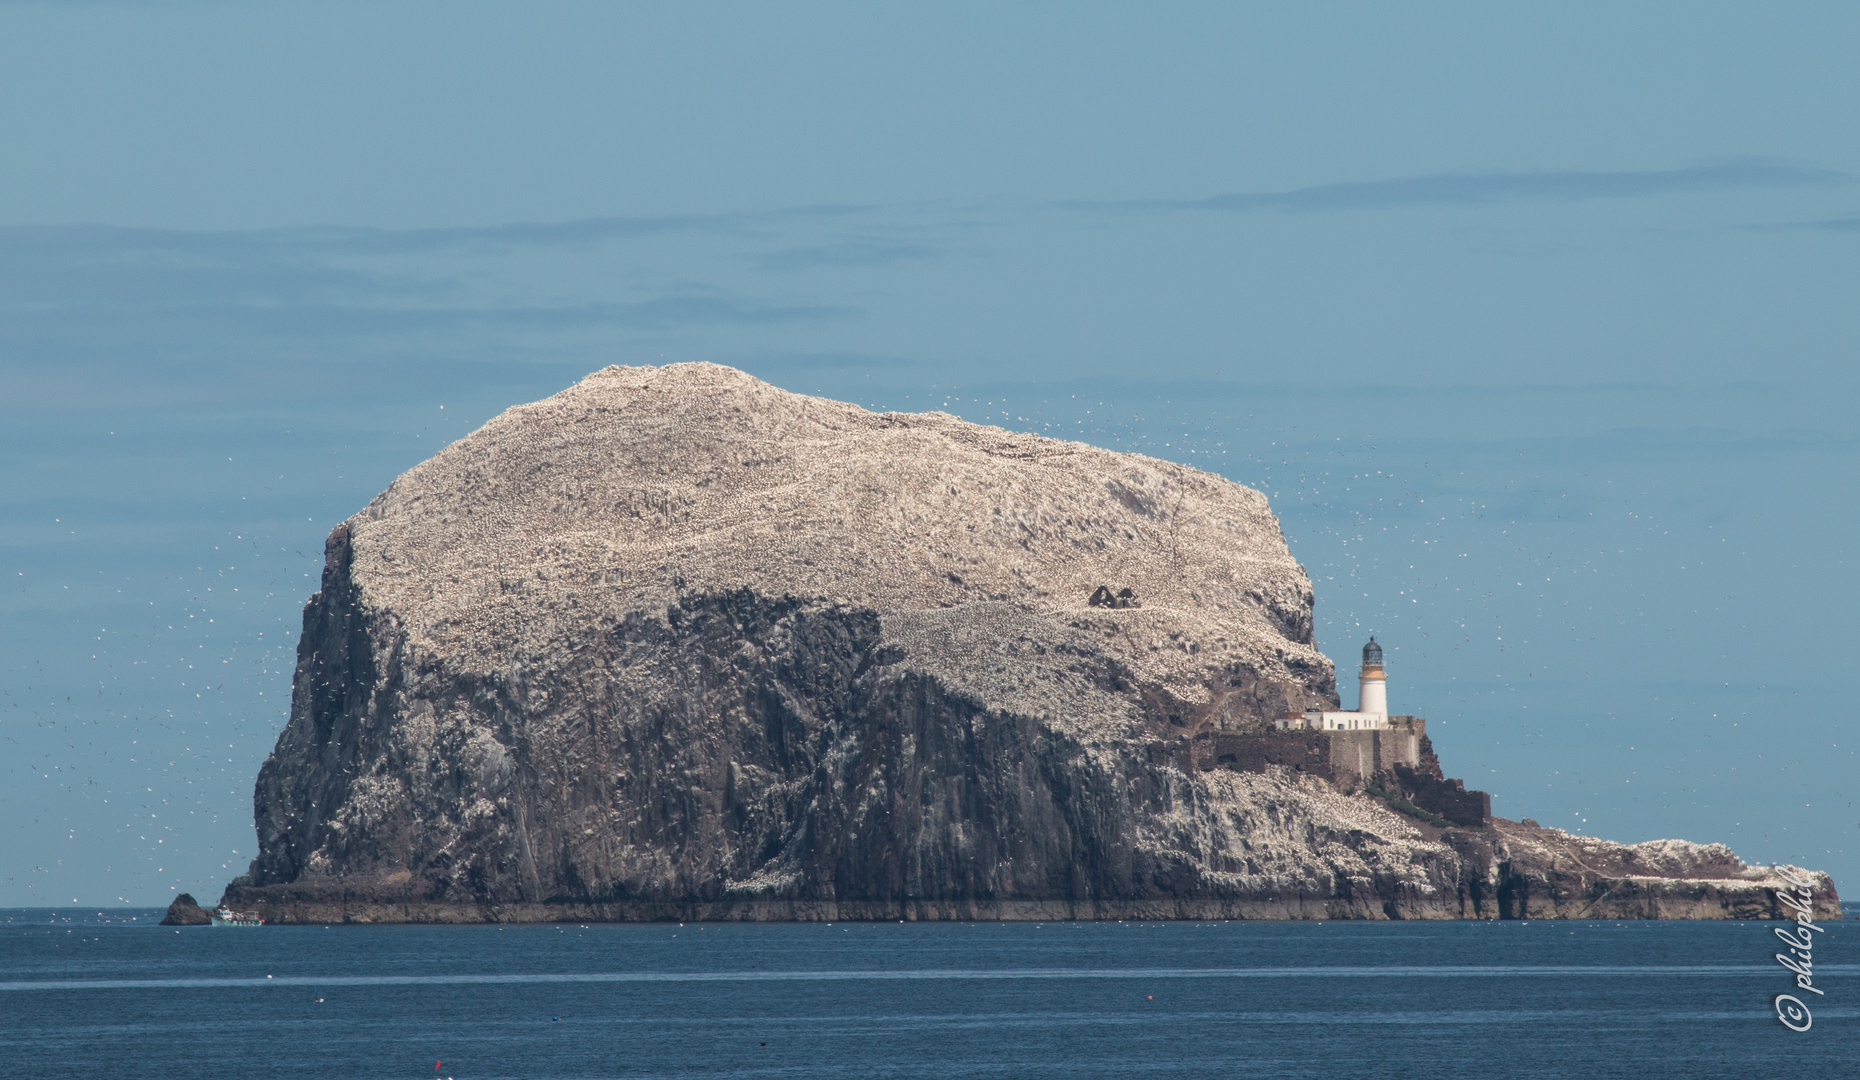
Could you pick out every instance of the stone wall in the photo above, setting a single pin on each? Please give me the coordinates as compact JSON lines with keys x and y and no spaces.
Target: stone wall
{"x":1349,"y":759}
{"x":1301,"y":751}
{"x":1448,"y":798}
{"x":1357,"y":755}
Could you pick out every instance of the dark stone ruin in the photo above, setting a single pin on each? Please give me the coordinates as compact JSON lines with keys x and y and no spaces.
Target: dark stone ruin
{"x":1124,"y":598}
{"x":1446,"y":798}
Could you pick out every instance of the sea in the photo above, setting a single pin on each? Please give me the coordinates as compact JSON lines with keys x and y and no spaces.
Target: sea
{"x":112,"y":994}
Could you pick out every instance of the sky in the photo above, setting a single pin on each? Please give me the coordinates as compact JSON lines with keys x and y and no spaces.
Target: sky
{"x":1536,"y":327}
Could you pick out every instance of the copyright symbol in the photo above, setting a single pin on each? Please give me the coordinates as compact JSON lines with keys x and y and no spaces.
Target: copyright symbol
{"x":1792,"y":1013}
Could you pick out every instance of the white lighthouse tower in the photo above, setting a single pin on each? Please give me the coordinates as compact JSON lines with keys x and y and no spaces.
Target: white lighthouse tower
{"x":1373,"y":685}
{"x":1372,"y":702}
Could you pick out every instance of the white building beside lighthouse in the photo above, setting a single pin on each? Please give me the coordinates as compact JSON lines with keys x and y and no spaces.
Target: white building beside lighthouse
{"x":1372,"y":701}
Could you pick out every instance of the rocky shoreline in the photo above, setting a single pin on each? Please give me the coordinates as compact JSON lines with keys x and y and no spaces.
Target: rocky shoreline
{"x":1509,"y":871}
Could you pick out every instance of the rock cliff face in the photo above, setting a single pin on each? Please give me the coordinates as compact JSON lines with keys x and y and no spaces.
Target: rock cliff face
{"x":677,"y":644}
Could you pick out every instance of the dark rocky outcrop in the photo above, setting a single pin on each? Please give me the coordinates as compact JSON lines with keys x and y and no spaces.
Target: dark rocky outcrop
{"x":1445,"y":798}
{"x":677,"y":644}
{"x":186,"y":912}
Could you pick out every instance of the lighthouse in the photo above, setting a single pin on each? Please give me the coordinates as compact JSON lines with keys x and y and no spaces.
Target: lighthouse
{"x":1372,"y":703}
{"x":1373,"y":684}
{"x":1369,"y":740}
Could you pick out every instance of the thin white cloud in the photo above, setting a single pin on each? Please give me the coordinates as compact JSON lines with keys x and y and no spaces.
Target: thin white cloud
{"x":1476,"y":189}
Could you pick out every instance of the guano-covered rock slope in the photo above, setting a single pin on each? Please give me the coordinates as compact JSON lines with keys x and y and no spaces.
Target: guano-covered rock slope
{"x":675,"y":643}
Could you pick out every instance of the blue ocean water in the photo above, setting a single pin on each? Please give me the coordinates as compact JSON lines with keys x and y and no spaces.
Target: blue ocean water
{"x":87,"y":995}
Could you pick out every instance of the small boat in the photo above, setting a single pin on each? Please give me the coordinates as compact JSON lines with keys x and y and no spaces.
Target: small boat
{"x":225,"y":916}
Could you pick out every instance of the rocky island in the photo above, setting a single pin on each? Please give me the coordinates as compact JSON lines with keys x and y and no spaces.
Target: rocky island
{"x":678,"y":644}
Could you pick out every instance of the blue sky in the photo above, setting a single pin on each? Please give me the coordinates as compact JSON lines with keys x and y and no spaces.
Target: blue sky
{"x":1537,"y":328}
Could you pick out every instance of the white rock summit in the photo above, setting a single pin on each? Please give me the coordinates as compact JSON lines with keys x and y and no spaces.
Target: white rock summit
{"x":639,"y":485}
{"x":675,"y":643}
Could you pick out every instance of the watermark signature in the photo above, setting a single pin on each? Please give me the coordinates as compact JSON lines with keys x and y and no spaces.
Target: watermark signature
{"x":1800,"y":959}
